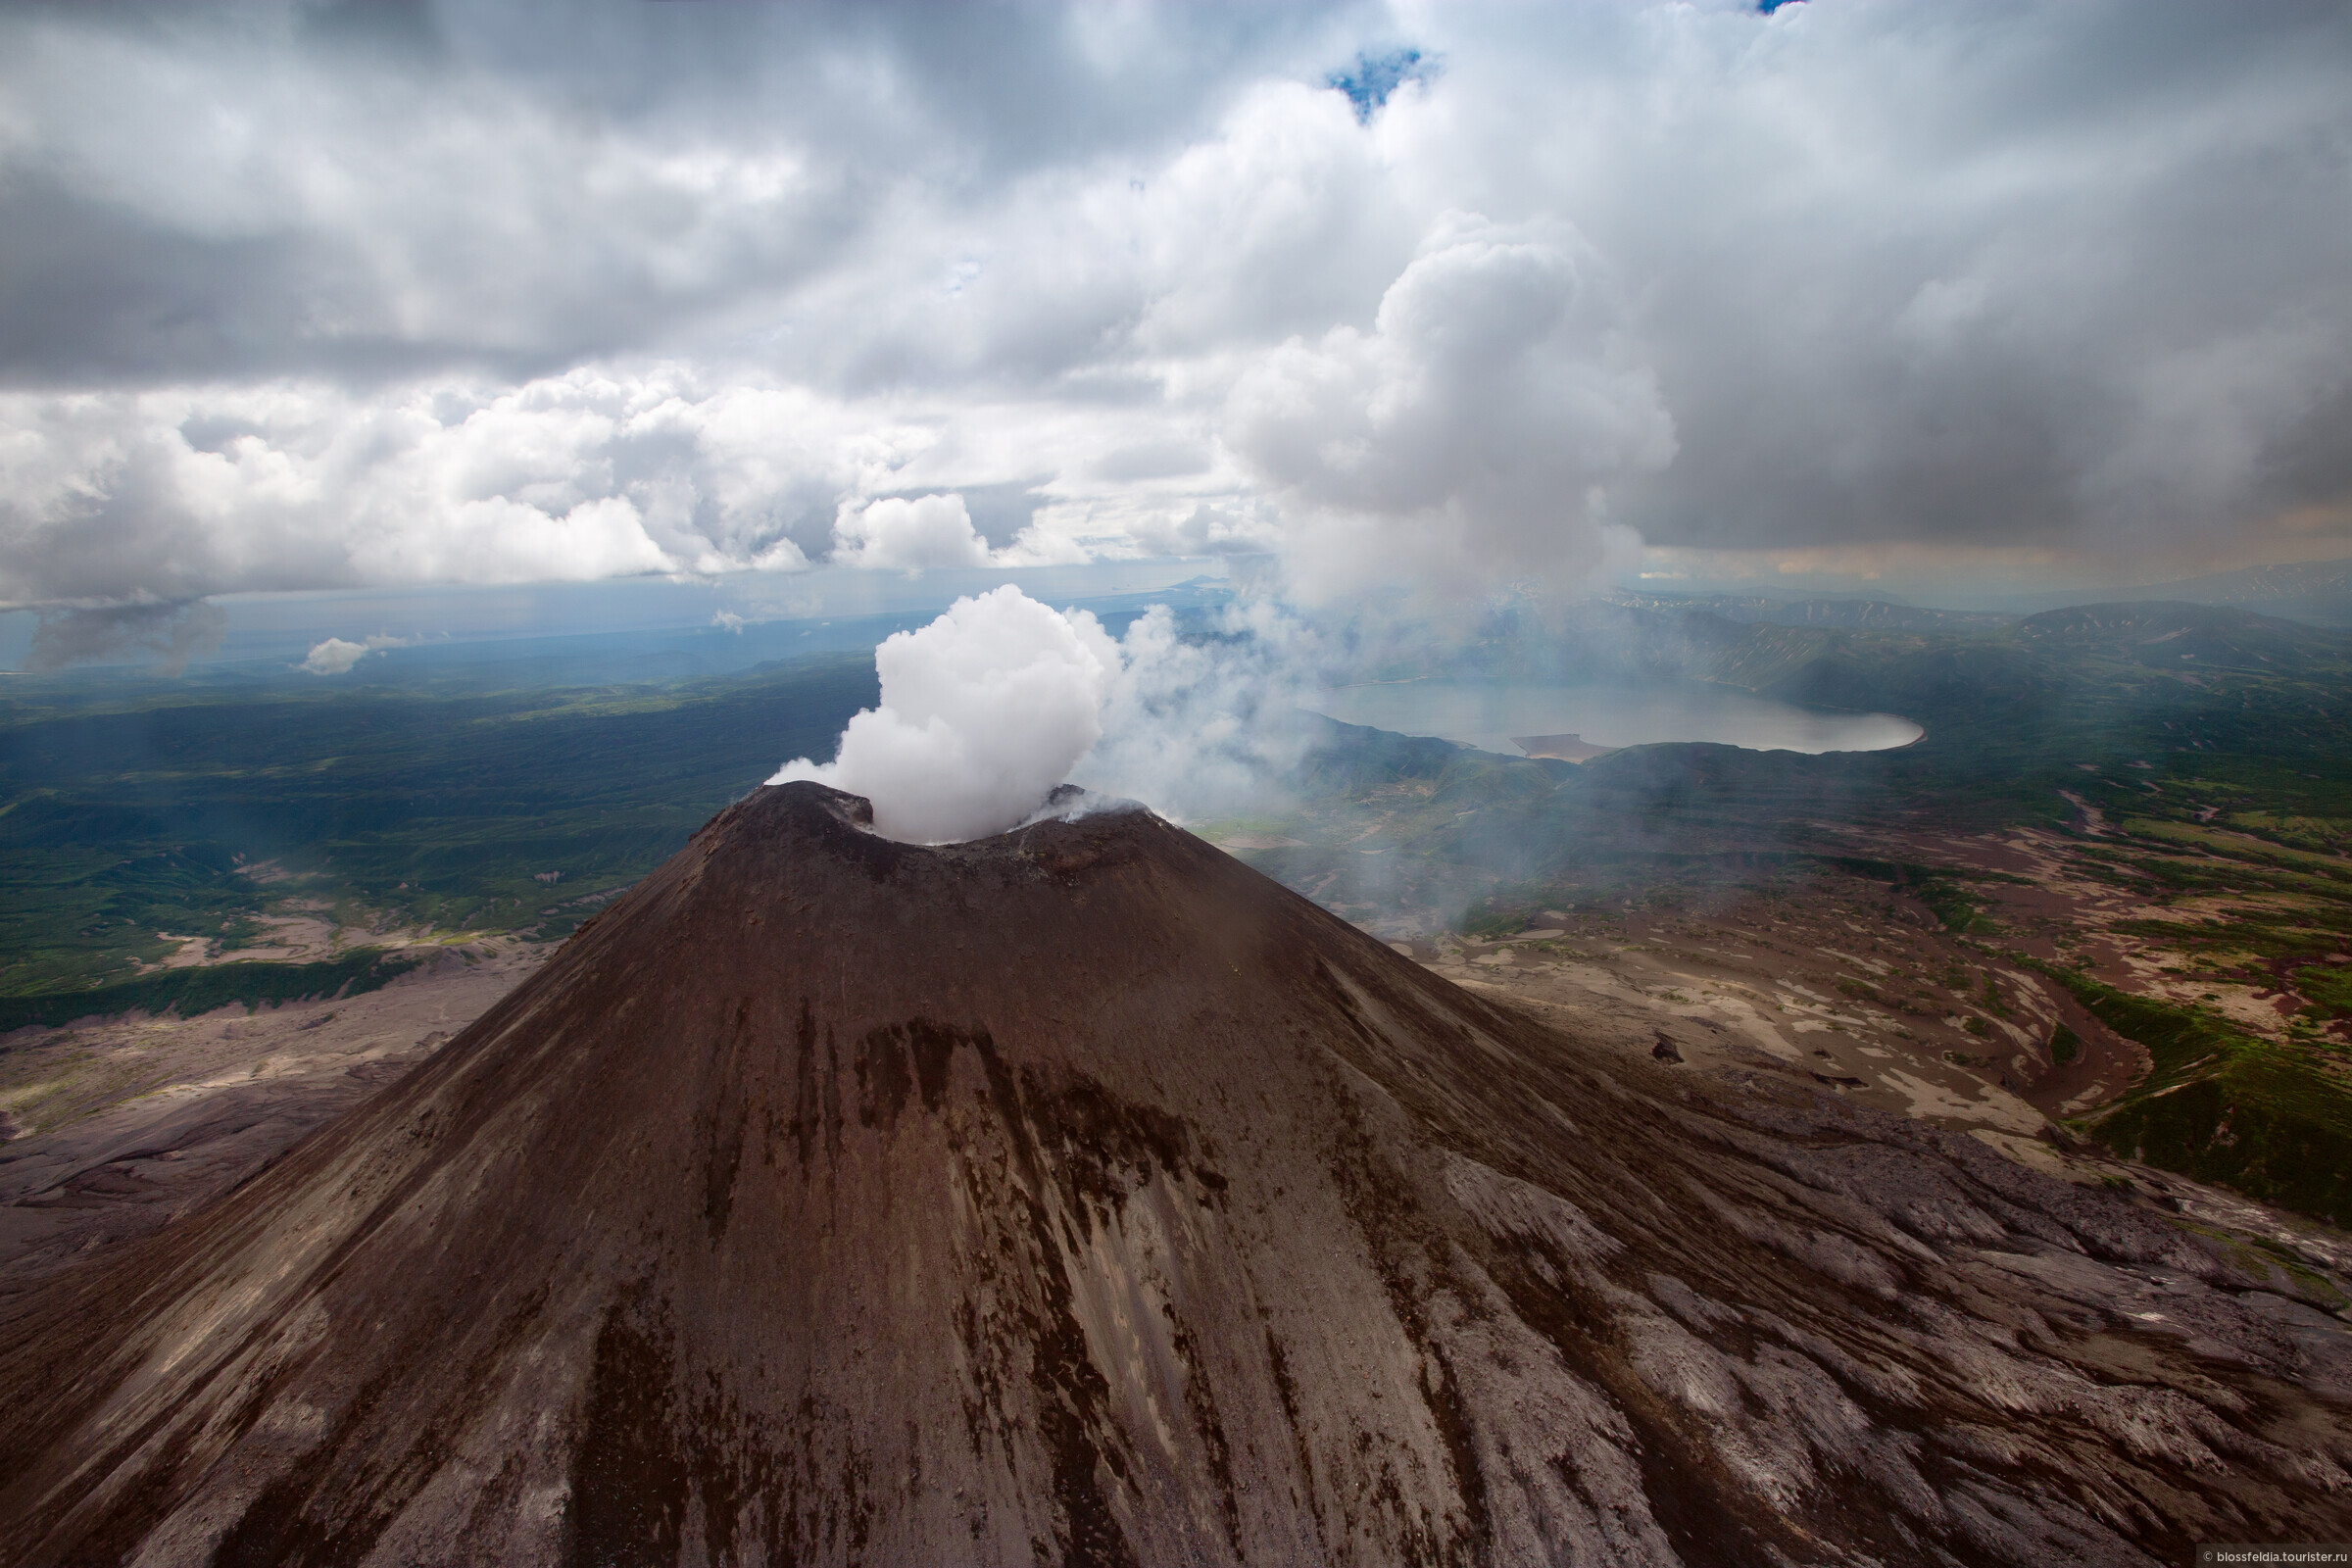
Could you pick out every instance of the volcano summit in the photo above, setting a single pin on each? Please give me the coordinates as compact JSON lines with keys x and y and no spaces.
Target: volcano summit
{"x":1078,"y":1194}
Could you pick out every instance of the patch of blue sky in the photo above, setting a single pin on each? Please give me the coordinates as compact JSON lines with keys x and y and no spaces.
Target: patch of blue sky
{"x":1374,"y":76}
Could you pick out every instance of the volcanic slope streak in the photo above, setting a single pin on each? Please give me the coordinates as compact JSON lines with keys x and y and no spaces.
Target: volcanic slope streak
{"x":1080,"y":1195}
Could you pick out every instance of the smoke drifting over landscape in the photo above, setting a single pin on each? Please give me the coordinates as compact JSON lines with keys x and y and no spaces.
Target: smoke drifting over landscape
{"x":1206,"y":726}
{"x":172,"y":633}
{"x":1403,"y":295}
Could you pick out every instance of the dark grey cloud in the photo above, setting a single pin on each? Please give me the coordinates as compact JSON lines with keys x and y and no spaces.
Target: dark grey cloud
{"x":363,"y":190}
{"x":94,"y":292}
{"x":170,"y":634}
{"x":382,"y":32}
{"x":337,"y":294}
{"x":2009,"y":276}
{"x":965,"y":94}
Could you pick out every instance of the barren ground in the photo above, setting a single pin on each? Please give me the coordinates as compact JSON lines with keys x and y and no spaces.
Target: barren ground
{"x":117,"y":1126}
{"x":1834,"y":983}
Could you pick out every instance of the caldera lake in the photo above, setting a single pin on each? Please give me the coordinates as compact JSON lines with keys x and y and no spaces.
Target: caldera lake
{"x":1497,"y":716}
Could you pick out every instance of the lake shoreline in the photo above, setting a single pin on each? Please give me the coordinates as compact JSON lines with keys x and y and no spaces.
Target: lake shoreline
{"x":1493,"y":715}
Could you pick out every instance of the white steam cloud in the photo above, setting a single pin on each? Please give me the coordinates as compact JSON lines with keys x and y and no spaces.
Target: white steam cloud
{"x":1206,"y":726}
{"x":983,"y":712}
{"x":1001,"y":699}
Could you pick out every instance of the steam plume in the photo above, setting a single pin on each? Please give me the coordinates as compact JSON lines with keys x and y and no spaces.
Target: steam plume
{"x":983,"y":712}
{"x":991,"y":706}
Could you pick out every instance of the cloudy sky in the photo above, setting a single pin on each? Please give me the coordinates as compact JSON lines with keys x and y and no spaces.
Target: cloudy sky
{"x":304,"y":297}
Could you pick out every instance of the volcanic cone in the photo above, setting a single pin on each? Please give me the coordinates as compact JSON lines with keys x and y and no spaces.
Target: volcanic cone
{"x":1079,"y":1196}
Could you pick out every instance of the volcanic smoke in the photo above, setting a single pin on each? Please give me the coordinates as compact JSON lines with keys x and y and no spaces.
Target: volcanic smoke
{"x":983,"y":712}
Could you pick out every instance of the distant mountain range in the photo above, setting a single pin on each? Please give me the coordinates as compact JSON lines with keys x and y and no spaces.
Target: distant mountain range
{"x":1756,"y":609}
{"x":2319,"y":592}
{"x":2316,"y":591}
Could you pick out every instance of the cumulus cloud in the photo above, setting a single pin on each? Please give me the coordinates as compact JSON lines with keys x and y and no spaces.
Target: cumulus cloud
{"x":1472,"y":431}
{"x":248,"y":192}
{"x":1924,"y":276}
{"x":333,"y":657}
{"x":338,"y":656}
{"x":278,"y":309}
{"x":181,"y":492}
{"x":908,"y":535}
{"x":982,"y":714}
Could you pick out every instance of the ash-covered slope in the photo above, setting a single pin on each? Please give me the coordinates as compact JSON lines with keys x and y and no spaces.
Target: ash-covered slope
{"x":1080,"y":1195}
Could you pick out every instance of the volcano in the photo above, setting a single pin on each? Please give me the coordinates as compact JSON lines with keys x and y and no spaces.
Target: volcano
{"x":1080,"y":1195}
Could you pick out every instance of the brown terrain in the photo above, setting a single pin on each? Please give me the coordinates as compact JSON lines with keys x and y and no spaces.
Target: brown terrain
{"x":1845,"y":987}
{"x":2054,"y":906}
{"x":115,"y":1126}
{"x":1815,"y":976}
{"x":1081,"y":1196}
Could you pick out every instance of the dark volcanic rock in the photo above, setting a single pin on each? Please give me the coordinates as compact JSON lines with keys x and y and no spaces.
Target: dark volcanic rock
{"x":1080,"y":1195}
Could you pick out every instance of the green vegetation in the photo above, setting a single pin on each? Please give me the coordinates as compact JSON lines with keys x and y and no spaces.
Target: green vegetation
{"x":2199,"y":761}
{"x":2212,"y":764}
{"x":2332,"y":869}
{"x":192,"y":991}
{"x":1952,"y":905}
{"x":2131,"y":709}
{"x":154,"y":807}
{"x":2272,"y":1119}
{"x":2330,"y":991}
{"x":1484,"y":923}
{"x":1668,"y":880}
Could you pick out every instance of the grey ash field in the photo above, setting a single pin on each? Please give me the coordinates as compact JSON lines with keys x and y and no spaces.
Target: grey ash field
{"x":1702,"y":1139}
